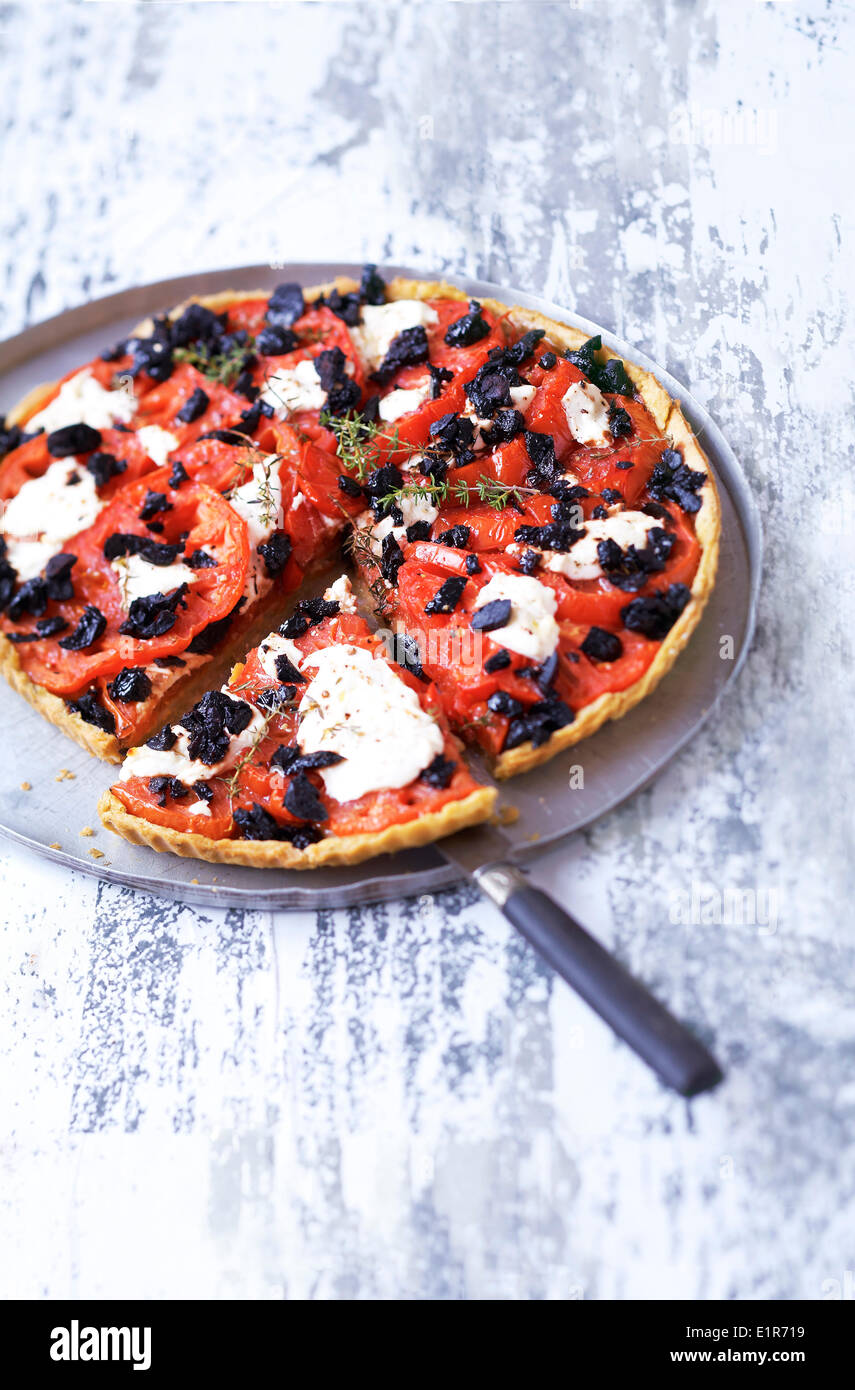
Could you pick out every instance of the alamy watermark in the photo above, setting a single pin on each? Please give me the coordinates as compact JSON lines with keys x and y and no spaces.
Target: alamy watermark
{"x":705,"y":905}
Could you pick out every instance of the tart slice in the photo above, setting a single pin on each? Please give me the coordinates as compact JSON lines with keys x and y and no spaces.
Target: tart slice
{"x":321,"y":749}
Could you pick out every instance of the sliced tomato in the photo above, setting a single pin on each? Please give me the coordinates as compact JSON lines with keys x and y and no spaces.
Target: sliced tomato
{"x":32,"y":460}
{"x":209,"y":524}
{"x":248,"y":314}
{"x":138,"y":798}
{"x":104,"y":373}
{"x":161,"y":405}
{"x":461,"y":360}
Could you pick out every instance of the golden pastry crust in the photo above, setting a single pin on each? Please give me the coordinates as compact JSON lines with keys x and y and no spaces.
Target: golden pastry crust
{"x":278,"y":854}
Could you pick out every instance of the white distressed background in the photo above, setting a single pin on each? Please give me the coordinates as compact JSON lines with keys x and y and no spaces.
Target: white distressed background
{"x":402,"y":1102}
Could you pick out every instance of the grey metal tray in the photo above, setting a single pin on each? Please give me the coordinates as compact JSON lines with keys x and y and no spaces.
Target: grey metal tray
{"x":617,"y":761}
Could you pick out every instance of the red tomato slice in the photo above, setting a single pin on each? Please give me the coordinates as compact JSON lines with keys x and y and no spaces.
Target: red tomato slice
{"x":161,"y":405}
{"x":210,"y":524}
{"x":32,"y":460}
{"x":138,"y":798}
{"x":249,"y":315}
{"x":461,"y":359}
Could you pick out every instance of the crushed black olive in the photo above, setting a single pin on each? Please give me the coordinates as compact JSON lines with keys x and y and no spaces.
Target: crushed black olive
{"x":291,"y":759}
{"x":456,"y":536}
{"x":655,"y":615}
{"x":197,"y":323}
{"x":419,"y":531}
{"x":529,"y":562}
{"x":600,"y":513}
{"x":302,"y":799}
{"x":539,"y":722}
{"x":405,"y":651}
{"x":493,"y":615}
{"x":153,"y":355}
{"x":438,"y":772}
{"x":91,"y":711}
{"x":447,"y":596}
{"x":164,"y":787}
{"x":73,"y":439}
{"x":470,"y":328}
{"x":45,"y":627}
{"x":58,"y":576}
{"x":547,"y":361}
{"x":32,"y":597}
{"x":203,"y":790}
{"x":623,"y":464}
{"x":275,"y":341}
{"x":287,"y":672}
{"x":499,"y":661}
{"x":275,"y":696}
{"x":556,"y":535}
{"x":90,"y":626}
{"x":612,"y":377}
{"x":391,"y":558}
{"x":104,"y":466}
{"x":258,"y":824}
{"x":169,"y":663}
{"x":438,"y":377}
{"x":308,"y":613}
{"x":130,"y":686}
{"x":500,"y":702}
{"x":611,"y":495}
{"x":245,"y":386}
{"x":275,"y":552}
{"x":473,"y":564}
{"x":630,"y":569}
{"x":154,"y":502}
{"x":673,"y":479}
{"x":372,"y":286}
{"x":158,"y":553}
{"x":541,"y":451}
{"x":620,"y":422}
{"x":342,"y":391}
{"x":407,"y":349}
{"x":211,"y":722}
{"x":601,"y":645}
{"x":286,"y":305}
{"x":162,"y":741}
{"x":507,"y":424}
{"x":152,"y":615}
{"x":195,"y":405}
{"x":455,"y":434}
{"x":349,"y":486}
{"x":201,"y":560}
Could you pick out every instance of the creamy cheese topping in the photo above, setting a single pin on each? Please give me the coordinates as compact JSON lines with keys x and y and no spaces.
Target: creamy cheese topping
{"x":83,"y":400}
{"x":174,"y":762}
{"x":402,"y":400}
{"x":259,"y":500}
{"x":413,"y":509}
{"x":522,"y":397}
{"x":46,"y":512}
{"x":532,"y":630}
{"x":342,"y":593}
{"x":276,"y":645}
{"x":295,"y":388}
{"x":380,"y":323}
{"x":581,"y":562}
{"x":587,"y":412}
{"x":137,"y":578}
{"x":357,"y":706}
{"x":158,"y":443}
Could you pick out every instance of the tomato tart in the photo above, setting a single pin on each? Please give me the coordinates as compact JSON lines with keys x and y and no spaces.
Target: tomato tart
{"x":529,"y":519}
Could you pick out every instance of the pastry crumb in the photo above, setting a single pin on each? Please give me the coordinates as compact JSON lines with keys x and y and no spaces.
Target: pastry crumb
{"x":96,"y":853}
{"x":65,"y":775}
{"x":194,"y":880}
{"x":87,"y":830}
{"x":26,"y":786}
{"x":531,"y":838}
{"x":505,"y":815}
{"x":55,"y":845}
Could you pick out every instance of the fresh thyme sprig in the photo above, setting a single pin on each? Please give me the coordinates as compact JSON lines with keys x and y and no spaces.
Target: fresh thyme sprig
{"x":267,"y":719}
{"x":357,"y":442}
{"x":224,"y":367}
{"x":486,"y":489}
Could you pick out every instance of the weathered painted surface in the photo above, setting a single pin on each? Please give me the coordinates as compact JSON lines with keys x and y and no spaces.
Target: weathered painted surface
{"x":401,"y":1101}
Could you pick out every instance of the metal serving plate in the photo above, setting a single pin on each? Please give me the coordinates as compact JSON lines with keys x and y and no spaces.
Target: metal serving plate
{"x":621,"y":758}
